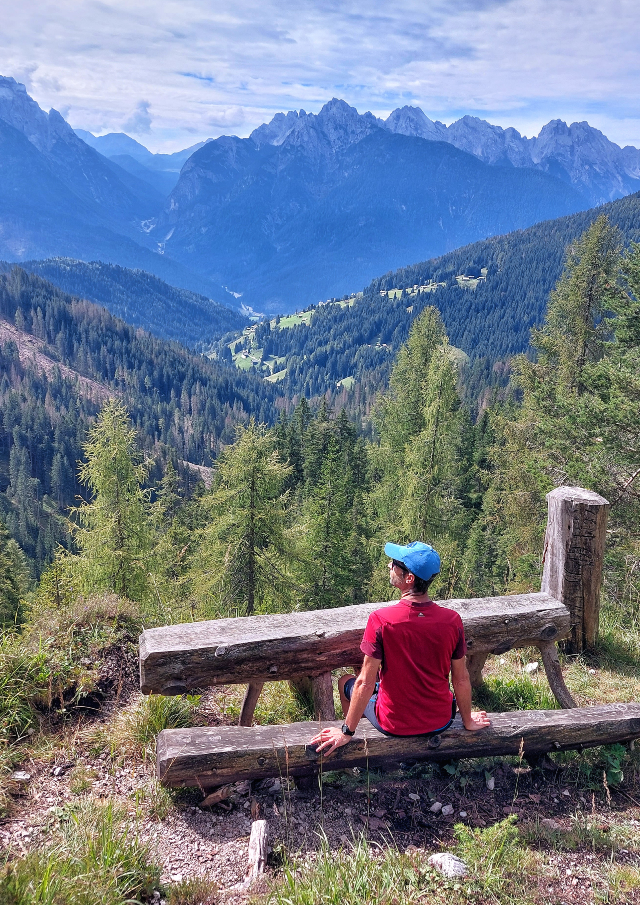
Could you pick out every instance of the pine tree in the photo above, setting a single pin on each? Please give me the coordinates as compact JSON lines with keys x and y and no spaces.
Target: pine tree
{"x":417,"y":477}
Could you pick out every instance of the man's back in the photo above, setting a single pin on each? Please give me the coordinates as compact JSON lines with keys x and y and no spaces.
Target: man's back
{"x":416,"y":642}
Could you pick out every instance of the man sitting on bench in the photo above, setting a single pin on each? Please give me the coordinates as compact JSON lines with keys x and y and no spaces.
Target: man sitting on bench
{"x":413,"y":647}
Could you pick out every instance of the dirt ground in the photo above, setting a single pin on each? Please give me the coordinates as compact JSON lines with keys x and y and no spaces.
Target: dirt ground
{"x":397,"y":808}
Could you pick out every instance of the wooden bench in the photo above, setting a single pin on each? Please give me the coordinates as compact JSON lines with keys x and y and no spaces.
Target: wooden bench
{"x":304,"y":647}
{"x":308,"y":645}
{"x":212,"y":756}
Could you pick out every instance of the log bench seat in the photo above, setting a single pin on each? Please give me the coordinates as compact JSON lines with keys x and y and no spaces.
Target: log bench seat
{"x":213,"y":756}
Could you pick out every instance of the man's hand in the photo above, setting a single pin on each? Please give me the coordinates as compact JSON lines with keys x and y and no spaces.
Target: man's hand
{"x":477,"y":720}
{"x":329,"y":740}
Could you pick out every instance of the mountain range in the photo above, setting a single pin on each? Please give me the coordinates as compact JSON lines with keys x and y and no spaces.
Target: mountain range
{"x":161,"y":171}
{"x":290,"y":215}
{"x":60,"y":197}
{"x":309,"y":206}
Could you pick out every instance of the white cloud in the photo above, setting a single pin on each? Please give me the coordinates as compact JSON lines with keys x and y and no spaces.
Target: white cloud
{"x":206,"y":68}
{"x":140,"y":120}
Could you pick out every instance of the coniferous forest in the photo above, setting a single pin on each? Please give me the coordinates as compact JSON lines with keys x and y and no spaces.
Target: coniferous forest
{"x":327,"y":496}
{"x":143,"y":485}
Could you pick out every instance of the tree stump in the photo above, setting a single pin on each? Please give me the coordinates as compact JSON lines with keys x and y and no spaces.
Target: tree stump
{"x":573,"y":559}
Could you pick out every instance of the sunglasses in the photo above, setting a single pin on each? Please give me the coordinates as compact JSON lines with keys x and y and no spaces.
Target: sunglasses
{"x":399,"y":565}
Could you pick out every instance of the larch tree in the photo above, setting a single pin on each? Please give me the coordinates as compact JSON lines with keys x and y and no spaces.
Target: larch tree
{"x":542,"y":442}
{"x":243,"y":560}
{"x":113,"y":530}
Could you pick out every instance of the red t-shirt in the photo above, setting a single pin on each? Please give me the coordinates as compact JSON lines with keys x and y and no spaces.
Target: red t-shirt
{"x":416,"y":641}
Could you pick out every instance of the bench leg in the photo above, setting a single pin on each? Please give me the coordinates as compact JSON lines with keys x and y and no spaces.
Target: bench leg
{"x":251,"y":696}
{"x":322,"y":691}
{"x":553,"y":670}
{"x":475,"y":665}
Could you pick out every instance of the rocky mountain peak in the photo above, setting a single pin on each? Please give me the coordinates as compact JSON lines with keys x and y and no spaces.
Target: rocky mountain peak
{"x":335,"y":127}
{"x":24,"y":114}
{"x":412,"y":121}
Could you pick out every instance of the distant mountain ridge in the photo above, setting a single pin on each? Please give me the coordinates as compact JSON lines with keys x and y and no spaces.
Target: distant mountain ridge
{"x":311,"y":206}
{"x":140,"y":298}
{"x":578,"y":154}
{"x":159,"y":170}
{"x":59,"y":197}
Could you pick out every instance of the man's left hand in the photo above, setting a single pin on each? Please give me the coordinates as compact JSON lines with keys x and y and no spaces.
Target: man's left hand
{"x":329,"y":740}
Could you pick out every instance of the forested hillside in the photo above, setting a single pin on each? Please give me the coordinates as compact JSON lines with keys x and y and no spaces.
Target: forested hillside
{"x":489,"y":294}
{"x":141,"y":299}
{"x":60,"y":359}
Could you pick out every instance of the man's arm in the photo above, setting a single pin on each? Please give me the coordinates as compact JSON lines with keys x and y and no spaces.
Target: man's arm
{"x":331,"y":738}
{"x":462,"y":690}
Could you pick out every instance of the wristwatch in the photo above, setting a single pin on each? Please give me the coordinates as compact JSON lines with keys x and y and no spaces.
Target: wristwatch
{"x":346,"y":731}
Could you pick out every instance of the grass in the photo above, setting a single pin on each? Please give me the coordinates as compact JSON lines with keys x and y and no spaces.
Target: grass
{"x":193,"y":891}
{"x":135,"y":729}
{"x":276,"y":704}
{"x":364,"y":874}
{"x":94,"y":858}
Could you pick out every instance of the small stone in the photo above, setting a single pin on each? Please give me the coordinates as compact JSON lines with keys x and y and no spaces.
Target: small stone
{"x":447,"y":810}
{"x":502,"y":661}
{"x":20,"y":776}
{"x":530,"y":668}
{"x":551,"y":825}
{"x":463,"y":813}
{"x":592,"y":672}
{"x":491,"y":783}
{"x":449,"y":865}
{"x":413,"y":796}
{"x":436,"y":807}
{"x":567,"y":793}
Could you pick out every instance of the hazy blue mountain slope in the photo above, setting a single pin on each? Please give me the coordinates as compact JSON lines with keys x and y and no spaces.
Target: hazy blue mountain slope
{"x":286,"y":224}
{"x":160,"y":170}
{"x":141,"y":299}
{"x":118,"y":195}
{"x":352,"y":343}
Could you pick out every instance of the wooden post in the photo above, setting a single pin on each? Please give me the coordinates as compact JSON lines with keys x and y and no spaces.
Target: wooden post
{"x":320,"y":690}
{"x":573,"y":559}
{"x":475,"y":665}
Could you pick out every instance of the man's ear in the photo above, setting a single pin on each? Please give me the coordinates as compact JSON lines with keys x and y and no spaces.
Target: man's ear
{"x":410,"y":577}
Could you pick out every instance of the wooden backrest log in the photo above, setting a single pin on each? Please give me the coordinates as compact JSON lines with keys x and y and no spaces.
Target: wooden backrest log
{"x":177,"y":658}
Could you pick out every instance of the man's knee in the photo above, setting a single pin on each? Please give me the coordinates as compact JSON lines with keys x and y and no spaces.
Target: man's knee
{"x":342,"y":681}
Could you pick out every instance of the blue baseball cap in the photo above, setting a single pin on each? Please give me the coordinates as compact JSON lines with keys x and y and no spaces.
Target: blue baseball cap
{"x":419,"y":558}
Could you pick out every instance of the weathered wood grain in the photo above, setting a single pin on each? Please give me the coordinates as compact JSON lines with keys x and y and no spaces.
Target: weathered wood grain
{"x":178,"y":658}
{"x":209,"y":757}
{"x":573,"y":559}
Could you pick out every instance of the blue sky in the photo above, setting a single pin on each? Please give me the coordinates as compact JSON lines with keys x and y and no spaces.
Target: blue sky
{"x":173,"y":73}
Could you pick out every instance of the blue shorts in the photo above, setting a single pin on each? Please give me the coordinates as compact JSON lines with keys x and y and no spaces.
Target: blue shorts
{"x":370,"y":709}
